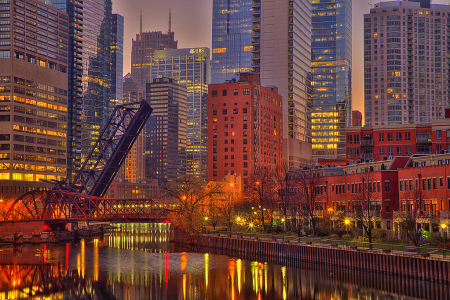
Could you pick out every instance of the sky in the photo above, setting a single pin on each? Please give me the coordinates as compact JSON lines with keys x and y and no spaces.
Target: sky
{"x":192,"y":22}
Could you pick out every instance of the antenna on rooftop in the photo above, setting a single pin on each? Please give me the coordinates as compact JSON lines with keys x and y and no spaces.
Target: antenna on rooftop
{"x":170,"y":20}
{"x":140,"y":25}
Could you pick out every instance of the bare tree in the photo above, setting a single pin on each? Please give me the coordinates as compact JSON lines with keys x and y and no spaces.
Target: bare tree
{"x":228,"y":213}
{"x":262,"y":192}
{"x":307,"y":195}
{"x":409,"y":208}
{"x":190,"y":197}
{"x":364,"y":202}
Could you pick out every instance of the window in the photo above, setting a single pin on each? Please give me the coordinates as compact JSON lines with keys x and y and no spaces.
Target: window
{"x":224,"y":111}
{"x":245,"y":118}
{"x":438,"y":134}
{"x":246,"y":92}
{"x":356,"y":139}
{"x":224,"y":93}
{"x":236,"y":92}
{"x":214,"y":93}
{"x":245,"y":141}
{"x":214,"y":173}
{"x":399,"y":150}
{"x":386,"y":186}
{"x":235,"y":111}
{"x":356,"y":152}
{"x":349,"y":139}
{"x":407,"y":136}
{"x":381,"y":149}
{"x":390,"y":137}
{"x":215,"y":112}
{"x":244,"y":110}
{"x":350,"y":153}
{"x":448,"y":183}
{"x":429,"y":183}
{"x":410,"y":185}
{"x":388,"y":206}
{"x":434,"y":183}
{"x":390,"y":151}
{"x":5,"y":54}
{"x":424,"y":184}
{"x":398,"y":136}
{"x":381,"y":137}
{"x":441,"y":181}
{"x":214,"y":158}
{"x":245,"y":157}
{"x":378,"y":186}
{"x":408,"y":150}
{"x":401,"y":185}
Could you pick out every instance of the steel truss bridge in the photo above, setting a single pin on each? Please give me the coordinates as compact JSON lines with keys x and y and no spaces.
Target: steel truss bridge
{"x":63,"y":206}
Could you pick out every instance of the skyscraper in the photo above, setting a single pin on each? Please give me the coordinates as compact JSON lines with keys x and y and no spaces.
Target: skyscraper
{"x":132,"y":169}
{"x":143,"y":49}
{"x":90,"y":40}
{"x":405,"y":64}
{"x":281,"y":41}
{"x":165,"y":156}
{"x":33,"y":97}
{"x":331,"y":76}
{"x":191,"y":67}
{"x":117,"y":59}
{"x":231,"y":39}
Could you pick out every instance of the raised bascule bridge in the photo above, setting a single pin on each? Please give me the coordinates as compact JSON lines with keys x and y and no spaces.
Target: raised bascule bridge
{"x":82,"y":200}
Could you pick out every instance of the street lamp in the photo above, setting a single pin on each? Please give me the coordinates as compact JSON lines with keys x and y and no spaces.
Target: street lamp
{"x":443,"y":226}
{"x":347,"y":223}
{"x":330,"y":210}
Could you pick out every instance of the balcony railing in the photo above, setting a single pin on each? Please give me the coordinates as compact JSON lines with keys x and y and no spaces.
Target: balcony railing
{"x":366,"y":142}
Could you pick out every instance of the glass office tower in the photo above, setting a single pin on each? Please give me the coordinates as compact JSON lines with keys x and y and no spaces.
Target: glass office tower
{"x":191,"y":67}
{"x":117,"y":59}
{"x":331,"y":48}
{"x":90,"y":24}
{"x":231,"y":39}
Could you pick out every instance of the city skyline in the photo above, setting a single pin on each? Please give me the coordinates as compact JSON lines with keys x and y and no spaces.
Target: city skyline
{"x":192,"y":24}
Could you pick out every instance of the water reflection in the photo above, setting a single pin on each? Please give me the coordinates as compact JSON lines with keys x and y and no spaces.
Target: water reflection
{"x":137,"y":262}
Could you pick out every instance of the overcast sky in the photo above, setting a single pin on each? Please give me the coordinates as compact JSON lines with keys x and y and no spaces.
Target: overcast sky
{"x":192,"y":19}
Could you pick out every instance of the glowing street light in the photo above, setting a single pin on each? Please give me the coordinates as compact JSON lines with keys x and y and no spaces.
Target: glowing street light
{"x":347,"y":223}
{"x":443,"y":226}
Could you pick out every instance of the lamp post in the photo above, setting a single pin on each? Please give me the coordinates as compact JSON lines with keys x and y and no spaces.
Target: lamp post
{"x":347,"y":223}
{"x":443,"y":226}
{"x":330,"y":210}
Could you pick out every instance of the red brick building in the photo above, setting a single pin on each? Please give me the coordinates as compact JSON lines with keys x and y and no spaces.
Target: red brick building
{"x":378,"y":142}
{"x":244,"y":128}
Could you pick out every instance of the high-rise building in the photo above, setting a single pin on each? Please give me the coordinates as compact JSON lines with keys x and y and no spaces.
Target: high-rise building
{"x":405,"y":65}
{"x":33,"y":96}
{"x":231,"y":39}
{"x":165,"y":155}
{"x":281,"y":41}
{"x":192,"y":69}
{"x":245,"y":123}
{"x":117,"y":59}
{"x":331,"y":48}
{"x":143,"y":49}
{"x":132,"y":169}
{"x":90,"y":63}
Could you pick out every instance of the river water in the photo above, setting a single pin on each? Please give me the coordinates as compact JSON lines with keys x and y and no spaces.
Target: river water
{"x":138,"y":262}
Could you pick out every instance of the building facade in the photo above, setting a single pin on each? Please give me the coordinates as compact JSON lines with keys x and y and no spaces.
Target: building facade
{"x":405,"y":69}
{"x":245,"y":123}
{"x":281,"y":40}
{"x":33,"y":97}
{"x":381,"y":142}
{"x":231,"y":39}
{"x":117,"y":59}
{"x":90,"y":64}
{"x":356,"y":118}
{"x":331,"y":60}
{"x":192,"y":69}
{"x":165,"y":153}
{"x":143,"y":49}
{"x":132,"y":169}
{"x":148,"y":189}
